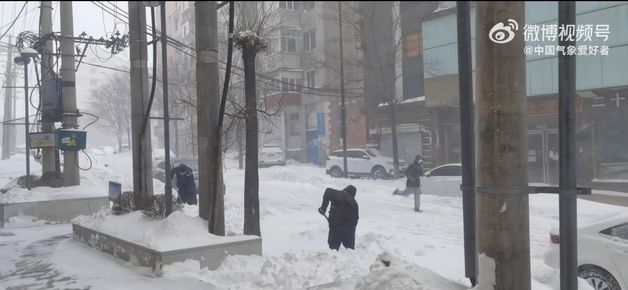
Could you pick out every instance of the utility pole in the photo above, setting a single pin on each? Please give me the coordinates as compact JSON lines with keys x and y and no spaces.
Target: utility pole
{"x":48,"y":158}
{"x":70,"y":112}
{"x":211,"y":202}
{"x":567,"y":158}
{"x":142,"y":149}
{"x":465,"y":80}
{"x":8,"y":104}
{"x":503,"y":239}
{"x":164,"y":74}
{"x":343,"y":112}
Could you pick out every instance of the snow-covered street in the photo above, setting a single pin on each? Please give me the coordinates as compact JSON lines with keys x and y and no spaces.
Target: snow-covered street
{"x":423,"y":245}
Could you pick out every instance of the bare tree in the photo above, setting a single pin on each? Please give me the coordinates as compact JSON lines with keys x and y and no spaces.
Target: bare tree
{"x":111,"y":103}
{"x":255,"y":21}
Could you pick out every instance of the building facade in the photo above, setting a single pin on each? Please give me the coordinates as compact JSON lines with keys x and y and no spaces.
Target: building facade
{"x":602,"y":87}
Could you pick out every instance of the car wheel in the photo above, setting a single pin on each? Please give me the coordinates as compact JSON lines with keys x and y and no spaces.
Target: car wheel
{"x":598,"y":278}
{"x":335,"y":172}
{"x":378,"y":173}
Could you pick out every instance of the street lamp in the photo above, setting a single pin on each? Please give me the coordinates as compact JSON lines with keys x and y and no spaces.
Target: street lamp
{"x":24,"y":58}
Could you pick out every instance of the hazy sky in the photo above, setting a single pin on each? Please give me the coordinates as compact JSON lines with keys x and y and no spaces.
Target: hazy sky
{"x":87,"y":17}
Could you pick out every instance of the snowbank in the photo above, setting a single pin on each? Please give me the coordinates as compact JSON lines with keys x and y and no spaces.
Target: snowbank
{"x":16,"y":194}
{"x":177,"y":231}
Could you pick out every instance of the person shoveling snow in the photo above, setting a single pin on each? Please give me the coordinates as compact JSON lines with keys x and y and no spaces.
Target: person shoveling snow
{"x":343,"y":216}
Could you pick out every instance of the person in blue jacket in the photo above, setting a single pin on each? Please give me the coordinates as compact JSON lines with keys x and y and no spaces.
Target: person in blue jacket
{"x":184,"y":183}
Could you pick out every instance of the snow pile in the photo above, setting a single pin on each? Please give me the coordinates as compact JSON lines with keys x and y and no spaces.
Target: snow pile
{"x":400,"y":275}
{"x":92,"y":183}
{"x":24,"y":221}
{"x":177,"y":231}
{"x":318,"y":270}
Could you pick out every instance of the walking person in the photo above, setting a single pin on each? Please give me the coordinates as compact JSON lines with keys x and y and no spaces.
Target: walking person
{"x":343,"y":216}
{"x":413,"y":181}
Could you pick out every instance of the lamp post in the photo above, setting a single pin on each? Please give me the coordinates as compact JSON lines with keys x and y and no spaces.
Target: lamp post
{"x":24,"y":58}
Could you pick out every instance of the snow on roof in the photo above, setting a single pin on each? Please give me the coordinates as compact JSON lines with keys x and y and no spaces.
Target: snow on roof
{"x":412,"y":100}
{"x":445,"y":5}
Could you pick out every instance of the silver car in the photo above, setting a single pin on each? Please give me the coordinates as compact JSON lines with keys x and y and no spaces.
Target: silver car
{"x":602,"y":252}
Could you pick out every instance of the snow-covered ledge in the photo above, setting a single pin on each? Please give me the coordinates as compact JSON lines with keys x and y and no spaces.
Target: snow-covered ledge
{"x":146,"y":242}
{"x":57,"y":205}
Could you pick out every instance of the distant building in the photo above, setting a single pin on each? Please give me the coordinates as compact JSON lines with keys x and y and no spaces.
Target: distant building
{"x":601,"y":101}
{"x":298,"y":76}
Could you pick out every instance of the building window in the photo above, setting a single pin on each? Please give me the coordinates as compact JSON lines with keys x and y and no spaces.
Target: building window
{"x":291,"y":84}
{"x":308,"y":5}
{"x":289,"y":40}
{"x":310,"y":79}
{"x":294,"y":127}
{"x":309,"y":40}
{"x":286,"y":5}
{"x":288,"y":84}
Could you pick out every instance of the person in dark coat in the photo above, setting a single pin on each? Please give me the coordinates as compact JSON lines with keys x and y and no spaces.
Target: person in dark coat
{"x":184,"y":183}
{"x":413,"y":182}
{"x":343,"y":216}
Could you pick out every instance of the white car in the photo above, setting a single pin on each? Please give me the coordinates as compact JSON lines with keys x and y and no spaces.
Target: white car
{"x":362,"y":163}
{"x":271,"y":155}
{"x":443,"y":180}
{"x":602,"y":252}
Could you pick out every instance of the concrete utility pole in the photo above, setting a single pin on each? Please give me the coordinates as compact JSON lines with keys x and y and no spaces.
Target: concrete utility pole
{"x":48,"y":154}
{"x":343,"y":111}
{"x":503,"y":237}
{"x":8,"y":104}
{"x":70,"y":112}
{"x":568,"y":202}
{"x":142,"y":150}
{"x":211,"y":203}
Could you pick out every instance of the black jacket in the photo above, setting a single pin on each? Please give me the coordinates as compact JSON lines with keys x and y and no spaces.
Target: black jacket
{"x":414,"y":173}
{"x":344,"y":210}
{"x":186,"y":187}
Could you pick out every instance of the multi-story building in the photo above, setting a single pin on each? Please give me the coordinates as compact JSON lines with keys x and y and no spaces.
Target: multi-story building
{"x":298,"y":80}
{"x":304,"y":58}
{"x":602,"y":87}
{"x":413,"y":134}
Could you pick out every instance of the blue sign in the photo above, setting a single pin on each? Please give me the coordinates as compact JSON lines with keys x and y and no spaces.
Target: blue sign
{"x":71,"y":140}
{"x":115,"y":190}
{"x":320,"y":119}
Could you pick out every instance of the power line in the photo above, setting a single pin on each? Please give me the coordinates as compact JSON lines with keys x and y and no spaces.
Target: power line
{"x":180,"y":47}
{"x":14,"y":20}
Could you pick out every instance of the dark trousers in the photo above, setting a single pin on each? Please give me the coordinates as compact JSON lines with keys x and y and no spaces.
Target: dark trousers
{"x":341,"y":235}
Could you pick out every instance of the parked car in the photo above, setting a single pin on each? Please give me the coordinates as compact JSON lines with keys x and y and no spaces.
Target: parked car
{"x":362,"y":163}
{"x":159,"y":172}
{"x":602,"y":252}
{"x":443,"y":180}
{"x":272,"y":155}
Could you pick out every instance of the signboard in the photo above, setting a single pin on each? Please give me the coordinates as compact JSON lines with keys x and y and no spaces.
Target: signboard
{"x":42,"y":140}
{"x":115,"y":190}
{"x":71,"y":140}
